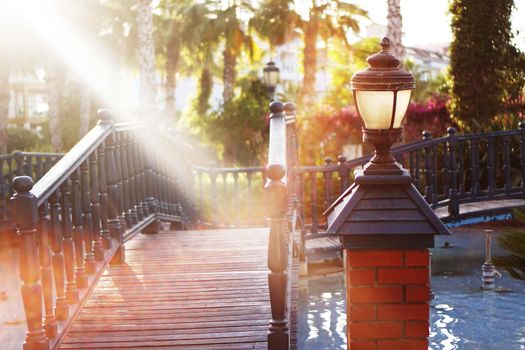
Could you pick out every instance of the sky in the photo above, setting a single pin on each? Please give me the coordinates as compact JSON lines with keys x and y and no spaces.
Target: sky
{"x":427,"y":21}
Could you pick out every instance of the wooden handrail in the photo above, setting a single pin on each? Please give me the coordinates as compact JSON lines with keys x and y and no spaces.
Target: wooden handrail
{"x":71,"y":161}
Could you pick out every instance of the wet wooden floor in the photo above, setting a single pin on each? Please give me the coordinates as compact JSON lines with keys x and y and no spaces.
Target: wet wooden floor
{"x":184,"y":289}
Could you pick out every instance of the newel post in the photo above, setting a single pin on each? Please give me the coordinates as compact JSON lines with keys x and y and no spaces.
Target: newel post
{"x":453,"y":207}
{"x":278,"y":335}
{"x":278,"y":250}
{"x":25,"y":217}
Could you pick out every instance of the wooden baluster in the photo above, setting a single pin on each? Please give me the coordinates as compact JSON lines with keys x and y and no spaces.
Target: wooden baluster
{"x":343,"y":172}
{"x":132,"y":172}
{"x":411,"y":165}
{"x":46,"y":271}
{"x":461,"y":166}
{"x":474,"y":168}
{"x":114,"y":223}
{"x":506,"y":165}
{"x":55,"y":235}
{"x":150,"y":191}
{"x":119,"y":181}
{"x":28,"y":166}
{"x":327,"y":177}
{"x":69,"y":246}
{"x":446,"y":168}
{"x":250,"y":199}
{"x":429,"y":181}
{"x":103,"y":198}
{"x":25,"y":217}
{"x":200,"y":195}
{"x":491,"y":167}
{"x":138,"y":181}
{"x":313,"y":189}
{"x":94,"y":197}
{"x":87,"y":219}
{"x":522,"y":159}
{"x":225,"y":202}
{"x":236,"y":203}
{"x":213,"y":194}
{"x":435,"y":167}
{"x":19,"y":163}
{"x":453,"y":208}
{"x":78,"y":231}
{"x":143,"y":181}
{"x":278,"y":337}
{"x":39,"y":168}
{"x":126,"y":197}
{"x":417,"y":169}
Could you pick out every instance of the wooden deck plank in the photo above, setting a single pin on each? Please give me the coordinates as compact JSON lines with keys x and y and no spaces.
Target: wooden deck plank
{"x":185,"y":289}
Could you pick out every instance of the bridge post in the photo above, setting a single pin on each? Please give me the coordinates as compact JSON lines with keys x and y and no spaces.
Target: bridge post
{"x":25,"y":217}
{"x":278,"y":245}
{"x":453,"y":207}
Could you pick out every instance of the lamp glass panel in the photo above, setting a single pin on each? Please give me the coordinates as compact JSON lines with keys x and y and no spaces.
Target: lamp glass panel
{"x":375,"y":108}
{"x":403,"y":98}
{"x":273,"y":78}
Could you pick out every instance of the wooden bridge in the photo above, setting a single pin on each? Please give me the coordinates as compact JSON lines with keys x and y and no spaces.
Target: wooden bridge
{"x":99,"y":271}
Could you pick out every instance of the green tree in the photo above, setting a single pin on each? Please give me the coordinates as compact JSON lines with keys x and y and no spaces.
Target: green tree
{"x":325,"y":19}
{"x":239,"y":129}
{"x":483,"y":61}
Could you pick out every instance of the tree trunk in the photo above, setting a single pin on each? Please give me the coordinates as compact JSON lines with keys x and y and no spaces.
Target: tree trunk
{"x":229,"y":73}
{"x":146,"y":55}
{"x":85,"y":110}
{"x":4,"y":106}
{"x":310,"y":57}
{"x":205,"y":87}
{"x":172,"y":63}
{"x":395,"y":28}
{"x":54,"y":92}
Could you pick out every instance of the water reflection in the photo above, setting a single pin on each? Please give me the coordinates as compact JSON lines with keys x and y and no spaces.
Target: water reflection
{"x":322,"y":315}
{"x":462,"y":316}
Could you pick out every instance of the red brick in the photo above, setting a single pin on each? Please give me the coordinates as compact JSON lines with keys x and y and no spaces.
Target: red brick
{"x":417,"y":258}
{"x":363,"y":313}
{"x":360,"y":295}
{"x":371,"y":258}
{"x":363,"y":345}
{"x":415,"y":294}
{"x":362,"y":277}
{"x":416,"y":329}
{"x":375,"y":330}
{"x":412,"y":344}
{"x":403,"y":276}
{"x":387,"y":312}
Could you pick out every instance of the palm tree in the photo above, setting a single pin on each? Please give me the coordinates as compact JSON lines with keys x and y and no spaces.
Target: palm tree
{"x":395,"y":28}
{"x":236,"y":37}
{"x":146,"y":53}
{"x":327,"y":19}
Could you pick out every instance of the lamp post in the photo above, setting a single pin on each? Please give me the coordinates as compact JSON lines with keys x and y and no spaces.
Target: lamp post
{"x":384,"y":223}
{"x":271,"y":75}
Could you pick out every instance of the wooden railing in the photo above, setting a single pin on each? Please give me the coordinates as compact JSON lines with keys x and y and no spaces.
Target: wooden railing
{"x":448,"y":171}
{"x":279,"y":190}
{"x":18,"y":163}
{"x":111,"y":185}
{"x":229,"y":197}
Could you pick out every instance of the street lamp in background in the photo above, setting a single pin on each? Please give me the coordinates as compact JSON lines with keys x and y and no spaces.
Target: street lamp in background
{"x":384,"y":223}
{"x":271,"y":78}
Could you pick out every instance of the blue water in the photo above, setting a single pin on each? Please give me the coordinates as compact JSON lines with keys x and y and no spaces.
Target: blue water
{"x":462,"y":316}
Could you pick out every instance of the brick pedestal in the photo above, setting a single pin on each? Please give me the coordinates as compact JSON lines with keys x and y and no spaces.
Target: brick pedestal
{"x":387,"y":295}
